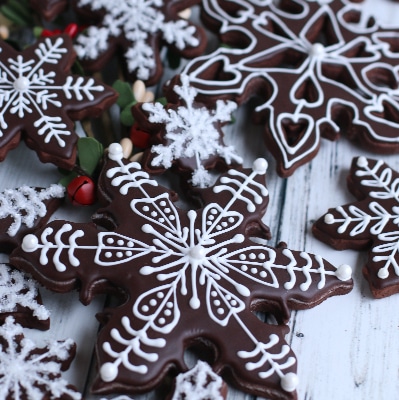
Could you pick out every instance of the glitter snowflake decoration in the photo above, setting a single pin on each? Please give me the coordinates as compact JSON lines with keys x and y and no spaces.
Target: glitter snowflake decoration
{"x":27,"y":371}
{"x":322,"y":68}
{"x":39,"y":97}
{"x":19,"y":296}
{"x":190,"y":135}
{"x":138,"y":26}
{"x":188,"y":275}
{"x":372,"y":223}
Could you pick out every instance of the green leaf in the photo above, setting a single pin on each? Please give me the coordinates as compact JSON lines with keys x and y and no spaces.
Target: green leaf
{"x":18,"y":12}
{"x":125,"y":91}
{"x":67,"y":179}
{"x":90,"y":152}
{"x":37,"y":31}
{"x":127,"y":118}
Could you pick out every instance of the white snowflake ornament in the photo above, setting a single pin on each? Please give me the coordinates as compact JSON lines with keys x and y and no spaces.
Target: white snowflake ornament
{"x":187,"y":134}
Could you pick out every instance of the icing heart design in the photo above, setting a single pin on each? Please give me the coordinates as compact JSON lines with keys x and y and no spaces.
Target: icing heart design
{"x":385,"y":111}
{"x":295,"y":132}
{"x":382,"y":77}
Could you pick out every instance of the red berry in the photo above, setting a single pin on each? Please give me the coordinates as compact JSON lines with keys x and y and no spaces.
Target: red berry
{"x":71,"y":30}
{"x":140,"y":139}
{"x":82,"y":191}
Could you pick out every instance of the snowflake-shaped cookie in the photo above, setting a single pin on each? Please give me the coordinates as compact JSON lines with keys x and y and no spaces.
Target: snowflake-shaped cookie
{"x":370,"y":223}
{"x":31,"y":372}
{"x":188,"y":276}
{"x":186,"y":134}
{"x":321,"y":68}
{"x":140,"y":28}
{"x":39,"y":99}
{"x":48,"y":9}
{"x":19,"y":297}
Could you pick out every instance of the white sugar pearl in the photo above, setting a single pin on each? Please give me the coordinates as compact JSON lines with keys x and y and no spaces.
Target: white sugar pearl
{"x":260,"y":166}
{"x":289,"y":382}
{"x":139,"y":90}
{"x":344,"y":272}
{"x":362,"y":162}
{"x":29,"y":243}
{"x":383,"y":273}
{"x":108,"y":372}
{"x":329,"y":218}
{"x":115,"y":151}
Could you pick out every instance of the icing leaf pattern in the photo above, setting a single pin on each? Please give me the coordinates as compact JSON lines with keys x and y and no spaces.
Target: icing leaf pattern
{"x":189,"y":274}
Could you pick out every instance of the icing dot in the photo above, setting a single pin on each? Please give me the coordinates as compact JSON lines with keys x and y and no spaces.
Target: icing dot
{"x":244,"y":268}
{"x":154,"y":214}
{"x":228,"y":296}
{"x":110,"y":240}
{"x":243,"y":257}
{"x":220,"y":311}
{"x":161,"y":220}
{"x":209,"y":223}
{"x":145,"y":309}
{"x":130,"y":244}
{"x":197,"y":252}
{"x":231,"y":220}
{"x":289,"y":382}
{"x":214,"y":293}
{"x":160,"y":295}
{"x":30,"y":243}
{"x":172,"y":217}
{"x":216,"y":303}
{"x":329,"y":218}
{"x":108,"y":372}
{"x":224,"y":224}
{"x":214,"y":211}
{"x":128,"y":253}
{"x":163,"y":203}
{"x":344,"y":272}
{"x":252,"y":256}
{"x":161,"y":321}
{"x":218,"y":227}
{"x":383,"y":273}
{"x":115,"y":151}
{"x":317,"y":50}
{"x":263,"y":274}
{"x":146,"y":208}
{"x":233,"y":302}
{"x":168,"y":313}
{"x":169,"y":304}
{"x":153,"y":302}
{"x":261,"y":256}
{"x":362,"y":162}
{"x":167,"y":210}
{"x":108,"y":254}
{"x":254,"y":270}
{"x":119,"y":254}
{"x":120,"y":242}
{"x":260,"y":166}
{"x":21,"y":84}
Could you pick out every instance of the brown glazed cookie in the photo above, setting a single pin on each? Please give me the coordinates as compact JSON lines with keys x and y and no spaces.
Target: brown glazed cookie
{"x":29,"y":372}
{"x":318,"y":69}
{"x":48,"y":9}
{"x":370,"y":223}
{"x":140,"y":29}
{"x":187,"y":135}
{"x":40,"y":99}
{"x":189,"y":277}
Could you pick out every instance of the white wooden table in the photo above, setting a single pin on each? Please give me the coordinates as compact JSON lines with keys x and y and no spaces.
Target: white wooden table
{"x":347,"y":347}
